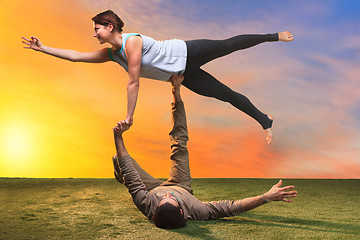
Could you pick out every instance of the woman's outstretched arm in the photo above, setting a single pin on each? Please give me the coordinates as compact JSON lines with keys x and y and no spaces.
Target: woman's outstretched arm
{"x":71,"y":55}
{"x":133,"y":51}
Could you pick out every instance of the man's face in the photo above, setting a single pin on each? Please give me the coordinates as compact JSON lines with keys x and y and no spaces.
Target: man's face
{"x":169,"y":198}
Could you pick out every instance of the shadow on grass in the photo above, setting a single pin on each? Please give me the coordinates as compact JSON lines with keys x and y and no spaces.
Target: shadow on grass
{"x":296,"y":223}
{"x":200,"y":229}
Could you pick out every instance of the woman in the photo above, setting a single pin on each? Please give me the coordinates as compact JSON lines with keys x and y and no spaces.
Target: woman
{"x":142,"y":56}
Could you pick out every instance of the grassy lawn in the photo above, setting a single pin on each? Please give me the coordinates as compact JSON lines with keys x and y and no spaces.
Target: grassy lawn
{"x":103,"y":209}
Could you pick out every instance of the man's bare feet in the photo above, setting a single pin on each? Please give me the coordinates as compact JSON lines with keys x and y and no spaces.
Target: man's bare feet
{"x":286,"y":36}
{"x":268,"y":132}
{"x":176,"y":80}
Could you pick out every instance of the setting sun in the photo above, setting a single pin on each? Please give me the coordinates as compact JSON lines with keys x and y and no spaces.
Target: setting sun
{"x":15,"y":143}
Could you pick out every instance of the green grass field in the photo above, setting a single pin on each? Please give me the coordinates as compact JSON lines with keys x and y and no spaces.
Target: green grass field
{"x":103,"y":209}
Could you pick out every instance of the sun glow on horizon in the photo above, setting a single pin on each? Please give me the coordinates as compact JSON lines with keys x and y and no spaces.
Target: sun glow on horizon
{"x":16,"y":143}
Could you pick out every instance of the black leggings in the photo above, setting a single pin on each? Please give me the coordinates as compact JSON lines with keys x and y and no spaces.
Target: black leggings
{"x":197,"y":80}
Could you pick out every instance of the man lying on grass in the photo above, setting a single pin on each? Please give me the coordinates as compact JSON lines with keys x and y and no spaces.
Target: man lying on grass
{"x":169,"y":204}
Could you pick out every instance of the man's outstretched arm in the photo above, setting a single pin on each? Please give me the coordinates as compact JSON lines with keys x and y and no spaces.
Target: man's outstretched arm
{"x":119,"y":129}
{"x":219,"y":209}
{"x":276,"y":193}
{"x":120,"y":150}
{"x":141,"y":197}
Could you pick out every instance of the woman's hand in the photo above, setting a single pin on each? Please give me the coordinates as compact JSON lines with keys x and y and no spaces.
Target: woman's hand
{"x":129,"y":120}
{"x":126,"y":123}
{"x":276,"y":193}
{"x":33,"y":43}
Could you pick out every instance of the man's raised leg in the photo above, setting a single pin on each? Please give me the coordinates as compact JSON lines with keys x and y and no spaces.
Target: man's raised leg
{"x":180,"y":170}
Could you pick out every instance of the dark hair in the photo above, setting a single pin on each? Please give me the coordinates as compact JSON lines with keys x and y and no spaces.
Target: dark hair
{"x":107,"y":17}
{"x":168,"y":216}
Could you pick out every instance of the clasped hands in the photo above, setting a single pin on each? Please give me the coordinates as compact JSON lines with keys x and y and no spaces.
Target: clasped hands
{"x":121,"y":127}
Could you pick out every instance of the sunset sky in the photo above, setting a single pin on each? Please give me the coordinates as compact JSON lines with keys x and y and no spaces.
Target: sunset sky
{"x":56,"y":117}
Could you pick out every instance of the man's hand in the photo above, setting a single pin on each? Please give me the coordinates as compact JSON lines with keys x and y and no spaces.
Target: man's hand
{"x":278,"y":193}
{"x":121,"y":127}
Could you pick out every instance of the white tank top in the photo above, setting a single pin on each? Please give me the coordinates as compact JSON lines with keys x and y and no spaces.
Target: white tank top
{"x":160,"y":59}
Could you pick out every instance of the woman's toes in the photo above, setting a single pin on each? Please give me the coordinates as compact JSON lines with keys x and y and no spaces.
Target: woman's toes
{"x":286,"y":36}
{"x":269,"y":135}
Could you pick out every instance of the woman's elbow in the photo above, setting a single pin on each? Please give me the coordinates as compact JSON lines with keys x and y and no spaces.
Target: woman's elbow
{"x":75,"y":57}
{"x":134,"y":83}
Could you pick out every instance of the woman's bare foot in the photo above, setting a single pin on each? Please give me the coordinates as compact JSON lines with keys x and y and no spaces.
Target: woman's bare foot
{"x":268,"y":132}
{"x":286,"y":36}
